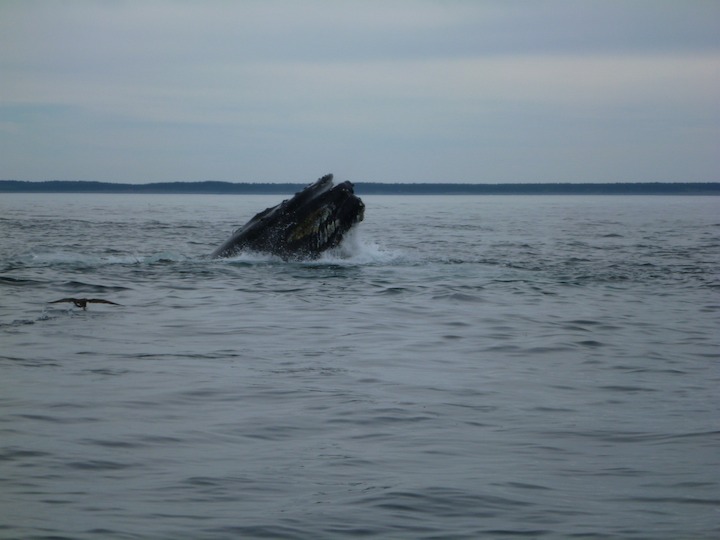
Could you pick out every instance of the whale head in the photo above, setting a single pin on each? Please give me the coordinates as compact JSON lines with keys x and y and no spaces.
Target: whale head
{"x":313,"y":221}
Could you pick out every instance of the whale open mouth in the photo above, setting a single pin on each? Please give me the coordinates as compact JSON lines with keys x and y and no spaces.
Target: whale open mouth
{"x":314,"y":220}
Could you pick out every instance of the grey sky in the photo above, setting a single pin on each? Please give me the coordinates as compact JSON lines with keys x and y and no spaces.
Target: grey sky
{"x":373,"y":90}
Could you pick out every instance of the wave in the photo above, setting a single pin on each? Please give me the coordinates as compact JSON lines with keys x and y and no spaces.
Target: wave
{"x":69,"y":258}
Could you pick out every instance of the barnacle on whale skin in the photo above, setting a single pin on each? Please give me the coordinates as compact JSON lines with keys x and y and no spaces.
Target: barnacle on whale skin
{"x":311,"y":224}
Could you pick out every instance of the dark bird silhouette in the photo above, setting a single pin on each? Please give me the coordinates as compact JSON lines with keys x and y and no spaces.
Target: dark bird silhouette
{"x":83,"y":302}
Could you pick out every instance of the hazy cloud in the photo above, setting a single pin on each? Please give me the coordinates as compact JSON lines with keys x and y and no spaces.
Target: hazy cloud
{"x":472,"y":91}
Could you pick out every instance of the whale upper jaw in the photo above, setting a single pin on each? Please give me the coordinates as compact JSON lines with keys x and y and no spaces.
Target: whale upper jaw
{"x":303,"y":227}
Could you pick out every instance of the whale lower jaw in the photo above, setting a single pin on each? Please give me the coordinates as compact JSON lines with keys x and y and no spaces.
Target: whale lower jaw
{"x":303,"y":227}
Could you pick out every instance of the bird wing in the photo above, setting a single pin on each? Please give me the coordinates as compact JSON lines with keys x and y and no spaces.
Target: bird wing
{"x":101,"y":301}
{"x":63,"y":300}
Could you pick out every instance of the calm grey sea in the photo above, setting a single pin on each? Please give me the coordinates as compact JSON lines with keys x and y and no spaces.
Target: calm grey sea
{"x":464,"y":367}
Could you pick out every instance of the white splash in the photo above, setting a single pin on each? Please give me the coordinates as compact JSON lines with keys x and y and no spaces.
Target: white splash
{"x":356,"y":249}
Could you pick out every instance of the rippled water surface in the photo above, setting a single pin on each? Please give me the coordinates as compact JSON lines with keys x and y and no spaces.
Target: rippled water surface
{"x":464,"y":367}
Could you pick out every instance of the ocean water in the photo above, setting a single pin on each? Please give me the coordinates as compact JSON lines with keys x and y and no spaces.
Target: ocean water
{"x":462,"y":368}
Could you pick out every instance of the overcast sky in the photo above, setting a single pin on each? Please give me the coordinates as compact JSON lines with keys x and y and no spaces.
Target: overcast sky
{"x":371,"y":90}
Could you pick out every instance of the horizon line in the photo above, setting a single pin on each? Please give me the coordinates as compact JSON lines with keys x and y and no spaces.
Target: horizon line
{"x":417,"y":182}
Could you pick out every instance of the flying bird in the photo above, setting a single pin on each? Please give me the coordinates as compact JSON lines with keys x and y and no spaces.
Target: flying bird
{"x":83,"y":302}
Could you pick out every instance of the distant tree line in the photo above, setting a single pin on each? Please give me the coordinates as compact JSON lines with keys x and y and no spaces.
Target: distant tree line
{"x":638,"y":188}
{"x":207,"y":187}
{"x":367,"y":188}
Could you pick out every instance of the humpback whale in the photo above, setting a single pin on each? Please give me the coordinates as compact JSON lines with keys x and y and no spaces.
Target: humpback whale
{"x":313,"y":221}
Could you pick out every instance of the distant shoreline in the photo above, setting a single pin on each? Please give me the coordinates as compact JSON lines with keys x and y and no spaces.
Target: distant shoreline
{"x":364,"y":188}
